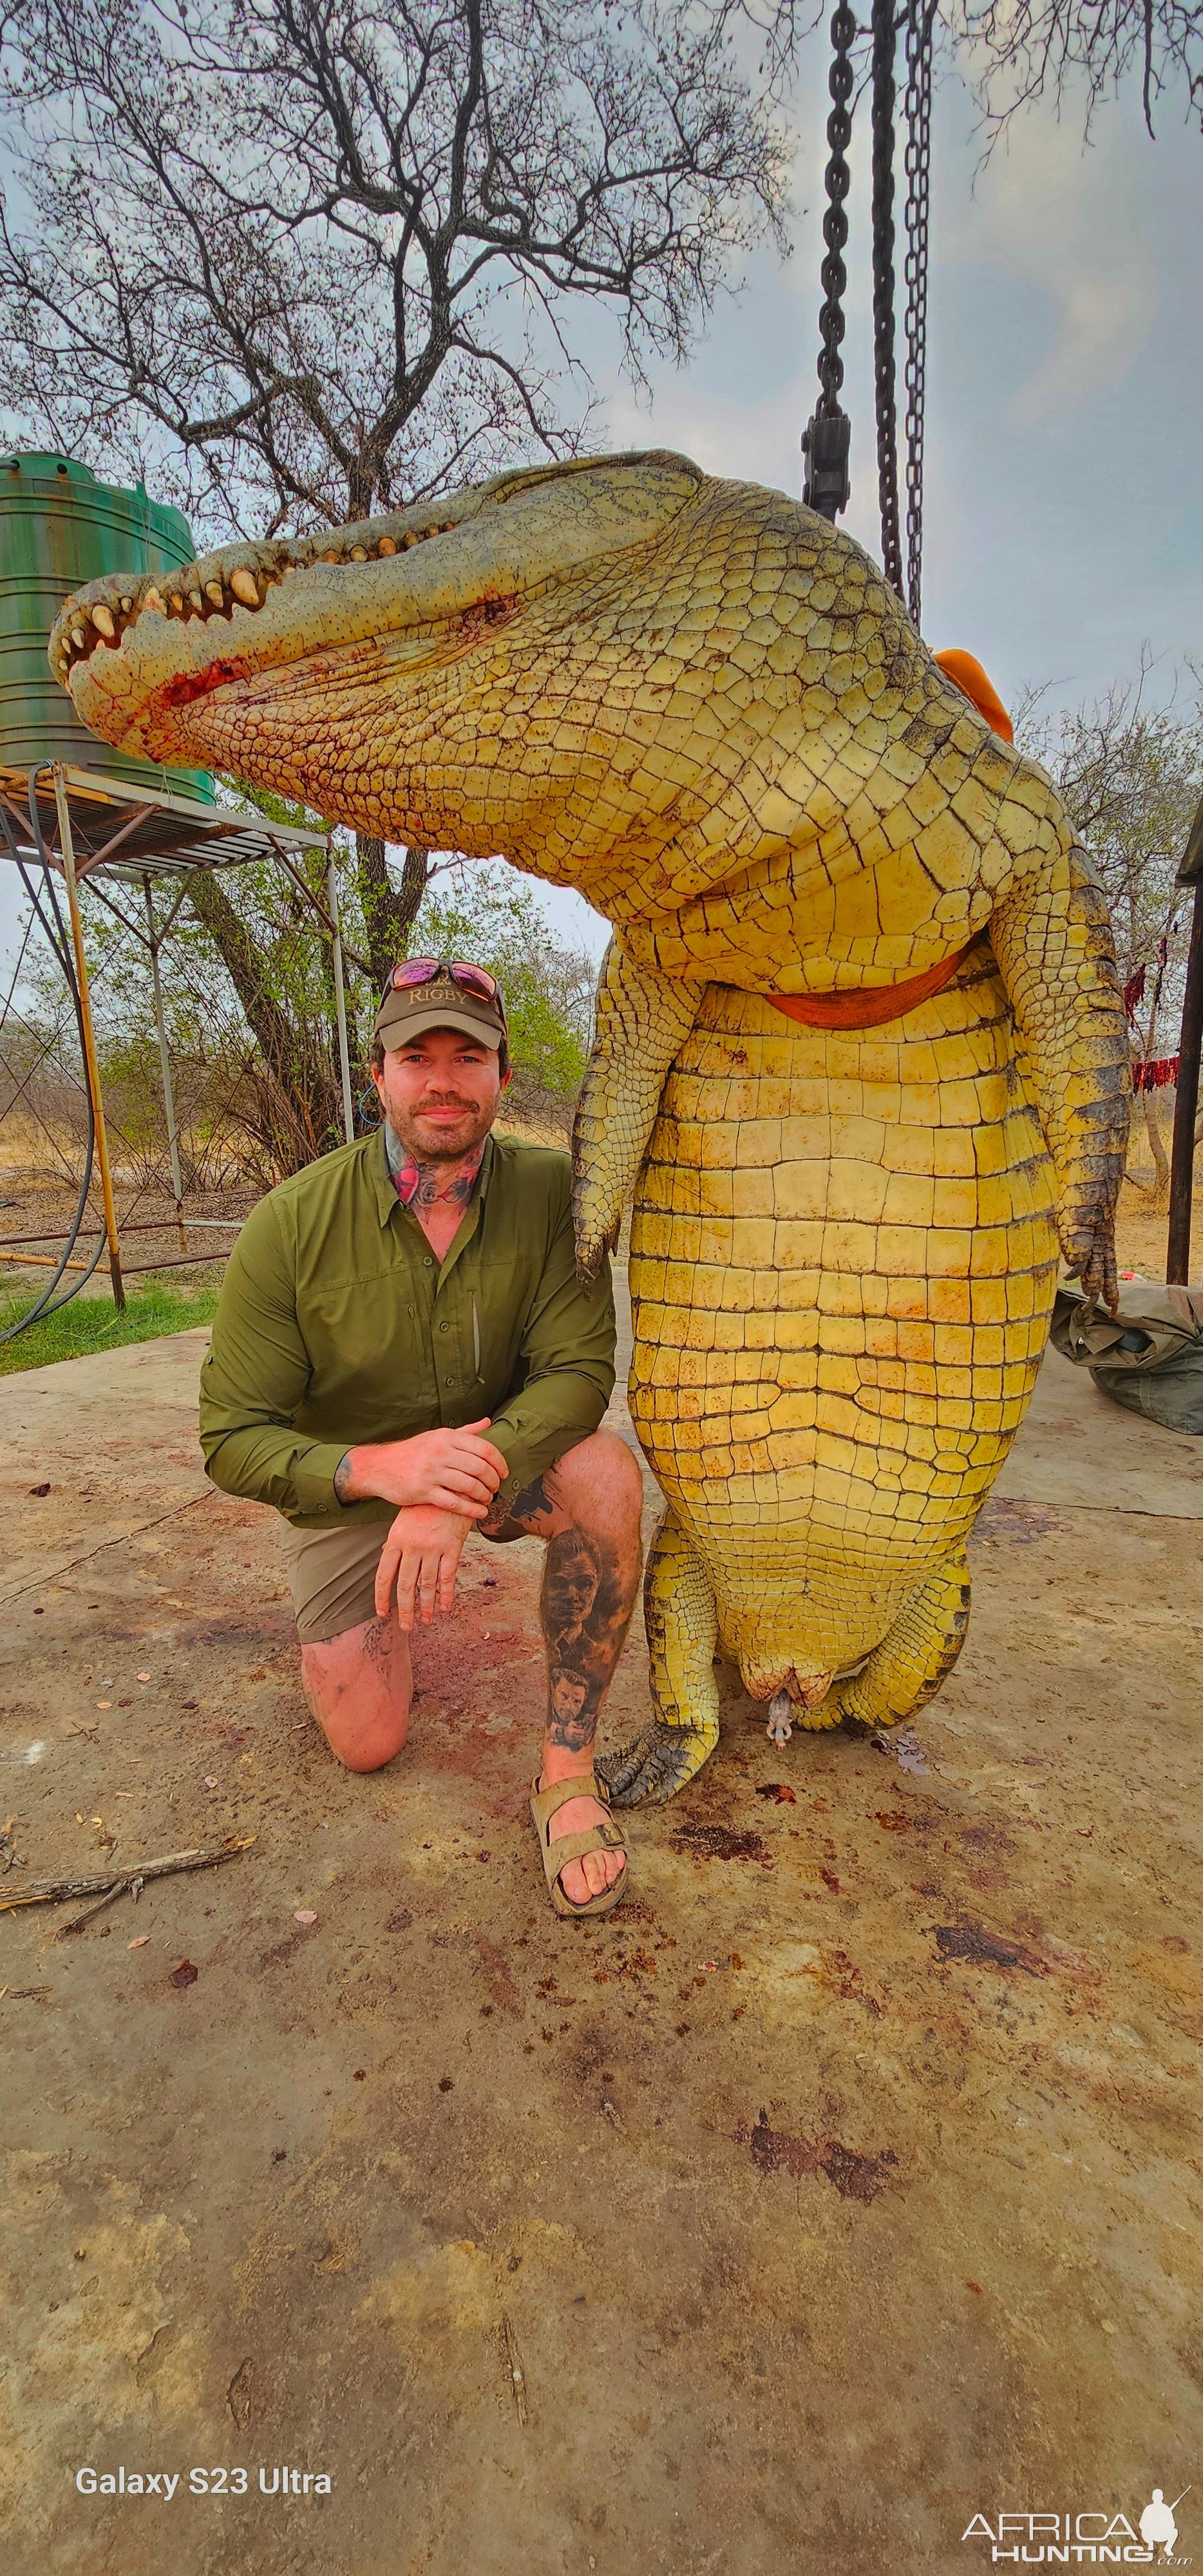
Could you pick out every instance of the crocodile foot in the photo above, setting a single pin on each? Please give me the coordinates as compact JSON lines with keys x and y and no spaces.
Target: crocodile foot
{"x":656,"y":1763}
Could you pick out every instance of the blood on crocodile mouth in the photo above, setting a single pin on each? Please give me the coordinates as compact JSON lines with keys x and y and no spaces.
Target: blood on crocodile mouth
{"x":189,"y":685}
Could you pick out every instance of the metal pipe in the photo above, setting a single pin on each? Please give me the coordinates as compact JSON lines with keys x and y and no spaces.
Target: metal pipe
{"x":142,"y":1225}
{"x":340,"y":999}
{"x":1186,"y":1103}
{"x":91,"y":1060}
{"x":41,"y":1261}
{"x":133,"y":1269}
{"x":173,"y":1142}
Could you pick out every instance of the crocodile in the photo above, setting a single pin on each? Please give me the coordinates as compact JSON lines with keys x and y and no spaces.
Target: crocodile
{"x":860,"y":1053}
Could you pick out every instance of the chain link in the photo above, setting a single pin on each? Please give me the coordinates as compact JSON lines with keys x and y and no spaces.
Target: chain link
{"x":884,"y":379}
{"x":920,"y":15}
{"x":833,"y":275}
{"x":826,"y":438}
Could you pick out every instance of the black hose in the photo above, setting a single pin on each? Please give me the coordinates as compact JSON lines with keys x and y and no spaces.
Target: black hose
{"x":56,"y":935}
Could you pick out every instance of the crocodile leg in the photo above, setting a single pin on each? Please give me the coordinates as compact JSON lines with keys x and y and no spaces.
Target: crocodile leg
{"x":915,"y":1656}
{"x":642,"y":1020}
{"x":1052,"y":941}
{"x":682,"y":1631}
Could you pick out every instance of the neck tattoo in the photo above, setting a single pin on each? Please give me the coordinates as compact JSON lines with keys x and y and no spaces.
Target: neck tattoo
{"x":423,"y":1186}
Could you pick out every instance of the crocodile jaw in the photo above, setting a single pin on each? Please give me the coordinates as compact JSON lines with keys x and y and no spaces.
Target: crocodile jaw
{"x":222,"y":663}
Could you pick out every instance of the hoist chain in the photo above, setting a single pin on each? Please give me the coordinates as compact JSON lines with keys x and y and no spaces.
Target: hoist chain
{"x":920,"y":14}
{"x":825,"y":442}
{"x":883,"y":290}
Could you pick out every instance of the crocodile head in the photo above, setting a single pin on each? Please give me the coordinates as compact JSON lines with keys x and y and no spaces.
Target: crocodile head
{"x":363,"y":671}
{"x":601,"y":671}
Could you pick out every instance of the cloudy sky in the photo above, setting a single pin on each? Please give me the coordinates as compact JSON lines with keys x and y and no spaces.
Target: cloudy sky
{"x":1064,"y":517}
{"x":1064,"y":528}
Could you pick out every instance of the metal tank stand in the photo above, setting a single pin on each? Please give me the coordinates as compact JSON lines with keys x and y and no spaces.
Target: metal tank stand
{"x":86,"y":824}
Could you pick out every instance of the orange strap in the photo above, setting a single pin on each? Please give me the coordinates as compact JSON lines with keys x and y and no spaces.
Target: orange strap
{"x":968,"y":676}
{"x":870,"y":1010}
{"x":867,"y":1010}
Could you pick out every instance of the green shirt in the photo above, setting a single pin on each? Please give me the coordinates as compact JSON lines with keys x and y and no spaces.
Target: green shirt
{"x":337,"y":1324}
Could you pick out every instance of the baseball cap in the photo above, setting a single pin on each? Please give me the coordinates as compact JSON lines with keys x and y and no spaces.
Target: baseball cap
{"x":440,"y":993}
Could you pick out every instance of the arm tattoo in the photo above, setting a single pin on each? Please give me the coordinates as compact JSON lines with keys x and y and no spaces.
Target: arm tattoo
{"x":528,"y":1507}
{"x":342,"y":1477}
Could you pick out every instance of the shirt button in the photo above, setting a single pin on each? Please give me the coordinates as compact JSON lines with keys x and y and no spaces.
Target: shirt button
{"x":449,"y":1381}
{"x":428,"y":1263}
{"x":444,"y":1328}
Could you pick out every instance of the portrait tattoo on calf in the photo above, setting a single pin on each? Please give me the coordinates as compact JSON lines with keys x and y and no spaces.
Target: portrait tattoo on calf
{"x":585,"y":1608}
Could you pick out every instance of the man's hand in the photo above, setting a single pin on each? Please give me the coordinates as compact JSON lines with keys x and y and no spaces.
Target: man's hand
{"x":419,"y":1562}
{"x":444,"y":1471}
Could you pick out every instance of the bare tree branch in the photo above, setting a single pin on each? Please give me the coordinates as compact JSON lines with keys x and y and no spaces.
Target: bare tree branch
{"x":292,"y":258}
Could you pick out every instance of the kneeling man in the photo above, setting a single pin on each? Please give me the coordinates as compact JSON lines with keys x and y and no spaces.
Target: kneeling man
{"x":401,"y":1353}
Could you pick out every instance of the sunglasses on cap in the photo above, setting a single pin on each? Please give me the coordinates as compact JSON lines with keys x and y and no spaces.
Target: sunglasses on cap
{"x":415,"y":971}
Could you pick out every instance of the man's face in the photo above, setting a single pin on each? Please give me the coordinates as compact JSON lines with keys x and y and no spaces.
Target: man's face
{"x":440,"y":1093}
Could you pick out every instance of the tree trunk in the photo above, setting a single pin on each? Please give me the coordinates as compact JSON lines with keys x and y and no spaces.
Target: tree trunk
{"x":1161,"y":1166}
{"x":1160,"y":1195}
{"x":389,"y":911}
{"x":306,"y":1113}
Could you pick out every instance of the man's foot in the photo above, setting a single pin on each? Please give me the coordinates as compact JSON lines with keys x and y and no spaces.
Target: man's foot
{"x":598,"y":1870}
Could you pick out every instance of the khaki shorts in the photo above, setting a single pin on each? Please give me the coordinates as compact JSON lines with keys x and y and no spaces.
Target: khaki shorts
{"x":332,"y":1574}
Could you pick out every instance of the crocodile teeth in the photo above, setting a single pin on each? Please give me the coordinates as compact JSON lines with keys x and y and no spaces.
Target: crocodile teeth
{"x":154,"y":599}
{"x":78,"y":638}
{"x":104,"y":621}
{"x":359,"y":554}
{"x":245,"y":587}
{"x":215,"y":592}
{"x":387,"y":546}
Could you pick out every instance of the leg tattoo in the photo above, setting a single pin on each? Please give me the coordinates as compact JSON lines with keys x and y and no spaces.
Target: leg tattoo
{"x":585,"y":1607}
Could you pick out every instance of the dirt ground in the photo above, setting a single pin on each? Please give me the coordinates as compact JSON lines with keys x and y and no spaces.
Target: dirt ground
{"x":841,"y":2187}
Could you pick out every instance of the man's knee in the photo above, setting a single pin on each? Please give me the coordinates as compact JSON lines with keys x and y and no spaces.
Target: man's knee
{"x":359,"y":1686}
{"x":601,"y":1482}
{"x":369,"y":1754}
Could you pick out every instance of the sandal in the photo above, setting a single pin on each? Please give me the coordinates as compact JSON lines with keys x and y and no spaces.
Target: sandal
{"x":546,"y":1803}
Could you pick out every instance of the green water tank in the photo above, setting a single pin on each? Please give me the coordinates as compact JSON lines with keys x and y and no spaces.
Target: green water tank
{"x":60,"y":527}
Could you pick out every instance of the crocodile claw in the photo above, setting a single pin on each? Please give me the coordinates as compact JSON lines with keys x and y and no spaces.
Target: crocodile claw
{"x":656,"y":1763}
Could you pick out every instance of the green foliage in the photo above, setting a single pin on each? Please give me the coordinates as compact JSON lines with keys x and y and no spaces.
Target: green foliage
{"x":93,"y":1324}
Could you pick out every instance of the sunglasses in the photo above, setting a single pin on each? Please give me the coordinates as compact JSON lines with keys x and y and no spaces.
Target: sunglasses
{"x":426,"y":970}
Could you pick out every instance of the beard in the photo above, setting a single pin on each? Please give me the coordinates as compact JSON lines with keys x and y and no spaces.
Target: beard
{"x":430,"y":1141}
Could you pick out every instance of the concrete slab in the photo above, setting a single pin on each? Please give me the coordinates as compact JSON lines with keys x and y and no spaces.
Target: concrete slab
{"x":841,"y":2187}
{"x":1080,"y":1449}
